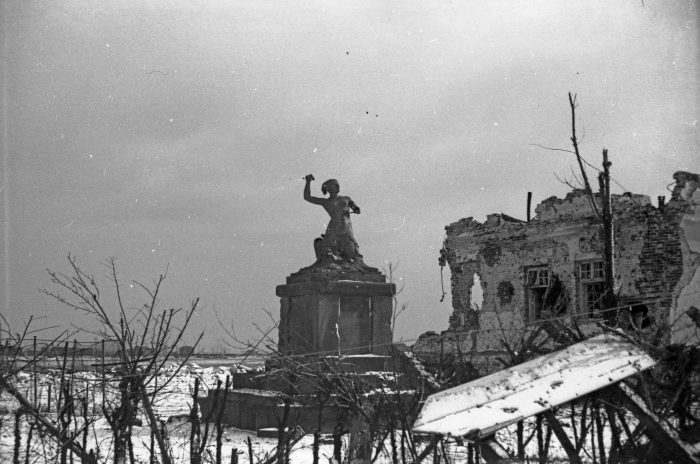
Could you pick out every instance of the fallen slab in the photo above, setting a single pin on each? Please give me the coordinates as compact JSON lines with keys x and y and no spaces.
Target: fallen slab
{"x":477,"y":409}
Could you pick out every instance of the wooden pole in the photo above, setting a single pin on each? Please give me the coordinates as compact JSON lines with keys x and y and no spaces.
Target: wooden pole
{"x":17,"y":436}
{"x":599,"y":428}
{"x":563,"y":438}
{"x":104,"y":380}
{"x":608,"y":245}
{"x":36,"y":398}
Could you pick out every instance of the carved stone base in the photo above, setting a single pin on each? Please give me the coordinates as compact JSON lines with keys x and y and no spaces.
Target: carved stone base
{"x":337,"y":270}
{"x":329,"y":311}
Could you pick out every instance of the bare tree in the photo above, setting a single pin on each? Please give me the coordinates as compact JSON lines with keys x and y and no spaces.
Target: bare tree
{"x":390,"y":271}
{"x":602,"y":211}
{"x":13,"y":361}
{"x":147,"y":338}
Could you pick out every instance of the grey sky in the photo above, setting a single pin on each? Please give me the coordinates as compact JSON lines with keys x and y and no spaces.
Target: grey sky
{"x":178,"y":133}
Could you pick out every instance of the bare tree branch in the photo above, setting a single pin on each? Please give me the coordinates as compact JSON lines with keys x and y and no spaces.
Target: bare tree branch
{"x":579,"y":159}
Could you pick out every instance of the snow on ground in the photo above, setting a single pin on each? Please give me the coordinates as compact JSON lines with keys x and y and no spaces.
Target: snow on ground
{"x":178,"y":438}
{"x":175,"y":402}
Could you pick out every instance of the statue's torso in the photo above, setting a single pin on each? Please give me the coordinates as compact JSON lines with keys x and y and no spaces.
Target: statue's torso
{"x":339,"y":210}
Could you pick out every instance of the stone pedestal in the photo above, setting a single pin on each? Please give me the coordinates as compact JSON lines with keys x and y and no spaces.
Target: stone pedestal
{"x":326,"y":311}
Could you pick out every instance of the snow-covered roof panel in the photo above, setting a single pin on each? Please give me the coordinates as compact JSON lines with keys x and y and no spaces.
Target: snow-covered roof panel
{"x":479,"y":408}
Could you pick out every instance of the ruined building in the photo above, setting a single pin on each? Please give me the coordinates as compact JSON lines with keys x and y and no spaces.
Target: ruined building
{"x":510,"y":275}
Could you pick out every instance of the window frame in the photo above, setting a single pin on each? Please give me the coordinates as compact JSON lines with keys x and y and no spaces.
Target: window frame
{"x":537,"y":280}
{"x":590,"y":275}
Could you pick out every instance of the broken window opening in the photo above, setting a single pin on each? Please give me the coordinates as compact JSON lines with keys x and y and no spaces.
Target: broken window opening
{"x":477,"y":294}
{"x":639,"y":316}
{"x":538,"y":276}
{"x":537,"y":283}
{"x":591,"y":276}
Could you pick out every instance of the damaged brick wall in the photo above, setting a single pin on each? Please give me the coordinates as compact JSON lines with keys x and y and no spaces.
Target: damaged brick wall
{"x":656,"y":262}
{"x":686,"y":294}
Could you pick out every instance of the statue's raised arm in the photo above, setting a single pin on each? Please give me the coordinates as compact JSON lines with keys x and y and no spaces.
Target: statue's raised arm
{"x":338,"y":243}
{"x":307,"y":191}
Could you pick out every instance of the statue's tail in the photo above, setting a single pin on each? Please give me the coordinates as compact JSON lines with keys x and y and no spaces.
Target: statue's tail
{"x":318,"y":248}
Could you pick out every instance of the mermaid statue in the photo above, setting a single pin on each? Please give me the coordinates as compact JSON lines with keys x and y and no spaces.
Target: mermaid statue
{"x":338,"y":244}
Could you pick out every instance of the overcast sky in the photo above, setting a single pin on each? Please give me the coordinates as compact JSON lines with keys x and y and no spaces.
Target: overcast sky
{"x":173,"y":133}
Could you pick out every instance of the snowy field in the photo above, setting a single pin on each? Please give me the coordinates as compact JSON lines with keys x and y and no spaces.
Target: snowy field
{"x":173,"y":403}
{"x":171,"y":406}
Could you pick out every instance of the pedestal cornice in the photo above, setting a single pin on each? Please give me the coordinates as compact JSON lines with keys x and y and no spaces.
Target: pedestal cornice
{"x":337,"y":287}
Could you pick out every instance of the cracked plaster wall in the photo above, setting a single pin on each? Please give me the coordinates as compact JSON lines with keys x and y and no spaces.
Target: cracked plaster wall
{"x":657,"y":257}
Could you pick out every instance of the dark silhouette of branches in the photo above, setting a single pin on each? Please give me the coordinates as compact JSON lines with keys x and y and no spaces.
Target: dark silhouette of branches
{"x":147,"y":338}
